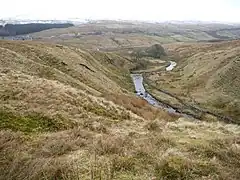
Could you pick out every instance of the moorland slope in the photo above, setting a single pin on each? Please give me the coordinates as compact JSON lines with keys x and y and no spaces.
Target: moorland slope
{"x":69,"y":113}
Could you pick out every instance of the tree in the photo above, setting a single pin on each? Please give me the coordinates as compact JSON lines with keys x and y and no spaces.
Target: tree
{"x":156,"y":51}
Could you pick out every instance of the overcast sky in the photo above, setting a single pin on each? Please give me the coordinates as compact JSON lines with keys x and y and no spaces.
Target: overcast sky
{"x":155,"y":10}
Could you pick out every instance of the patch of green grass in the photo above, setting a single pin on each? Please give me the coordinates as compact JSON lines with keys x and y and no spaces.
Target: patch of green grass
{"x":111,"y":113}
{"x":176,"y":167}
{"x":31,"y":123}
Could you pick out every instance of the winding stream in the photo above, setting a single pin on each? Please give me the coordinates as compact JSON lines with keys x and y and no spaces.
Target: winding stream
{"x":141,"y":92}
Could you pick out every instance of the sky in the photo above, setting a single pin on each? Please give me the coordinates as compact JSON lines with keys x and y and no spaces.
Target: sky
{"x":147,"y":10}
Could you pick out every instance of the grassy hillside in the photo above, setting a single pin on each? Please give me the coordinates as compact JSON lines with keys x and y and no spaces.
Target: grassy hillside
{"x":118,"y":34}
{"x":68,"y":113}
{"x":207,"y":74}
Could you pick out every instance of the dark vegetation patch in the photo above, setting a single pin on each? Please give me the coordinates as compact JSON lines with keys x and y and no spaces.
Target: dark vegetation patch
{"x":32,"y":122}
{"x":154,"y":51}
{"x":19,"y":29}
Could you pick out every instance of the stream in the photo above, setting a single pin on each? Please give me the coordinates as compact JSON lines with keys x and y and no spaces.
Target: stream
{"x":171,"y":66}
{"x":141,"y":92}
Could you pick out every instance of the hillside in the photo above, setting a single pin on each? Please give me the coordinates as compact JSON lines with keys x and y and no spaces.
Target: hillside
{"x":118,"y":34}
{"x":207,"y":74}
{"x":70,"y":113}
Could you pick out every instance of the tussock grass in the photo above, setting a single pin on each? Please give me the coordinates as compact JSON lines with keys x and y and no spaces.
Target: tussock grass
{"x":177,"y":167}
{"x":172,"y":153}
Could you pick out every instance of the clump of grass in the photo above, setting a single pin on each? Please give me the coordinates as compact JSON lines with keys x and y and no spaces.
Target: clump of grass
{"x":123,"y":163}
{"x":95,"y":126}
{"x":176,"y":167}
{"x":32,"y":122}
{"x":153,"y":126}
{"x":111,"y":145}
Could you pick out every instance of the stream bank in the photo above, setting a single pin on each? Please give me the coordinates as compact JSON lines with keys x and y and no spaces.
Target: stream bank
{"x":186,"y":109}
{"x":141,"y":92}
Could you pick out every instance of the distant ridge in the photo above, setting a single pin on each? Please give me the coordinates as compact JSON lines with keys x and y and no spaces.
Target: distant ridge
{"x":21,"y":29}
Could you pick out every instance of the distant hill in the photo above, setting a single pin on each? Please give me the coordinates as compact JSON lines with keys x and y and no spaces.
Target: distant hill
{"x":20,"y":29}
{"x":121,"y":34}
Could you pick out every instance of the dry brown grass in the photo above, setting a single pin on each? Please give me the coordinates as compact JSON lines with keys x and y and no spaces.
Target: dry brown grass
{"x":103,"y":133}
{"x":170,"y":150}
{"x":62,"y":64}
{"x":139,"y":107}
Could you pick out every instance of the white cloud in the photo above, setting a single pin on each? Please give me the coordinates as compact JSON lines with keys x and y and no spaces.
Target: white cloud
{"x":219,"y":10}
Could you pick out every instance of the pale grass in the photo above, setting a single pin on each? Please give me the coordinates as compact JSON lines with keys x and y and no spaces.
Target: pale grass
{"x":63,"y":62}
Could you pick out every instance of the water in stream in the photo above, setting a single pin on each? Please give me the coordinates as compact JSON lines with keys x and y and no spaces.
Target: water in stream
{"x":140,"y":91}
{"x":171,"y":66}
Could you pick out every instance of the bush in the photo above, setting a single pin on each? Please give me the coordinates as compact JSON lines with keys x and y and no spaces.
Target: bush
{"x":155,"y":51}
